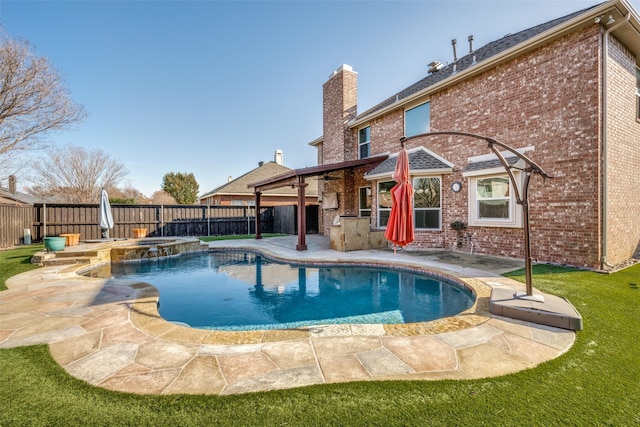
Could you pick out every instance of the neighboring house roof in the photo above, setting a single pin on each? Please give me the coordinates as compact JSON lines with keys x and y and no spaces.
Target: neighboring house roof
{"x":239,"y":186}
{"x":420,"y":160}
{"x":7,"y":196}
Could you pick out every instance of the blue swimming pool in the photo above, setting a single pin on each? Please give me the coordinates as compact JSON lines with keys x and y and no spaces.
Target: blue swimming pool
{"x":244,"y":291}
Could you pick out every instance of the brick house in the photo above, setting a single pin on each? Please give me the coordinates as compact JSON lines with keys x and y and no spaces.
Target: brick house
{"x":566,"y":93}
{"x":237,"y":193}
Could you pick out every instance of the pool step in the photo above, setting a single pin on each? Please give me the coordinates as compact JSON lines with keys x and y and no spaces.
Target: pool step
{"x":70,"y":260}
{"x":66,"y":257}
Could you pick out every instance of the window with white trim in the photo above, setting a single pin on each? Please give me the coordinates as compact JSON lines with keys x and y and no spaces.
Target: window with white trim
{"x":364,"y":142}
{"x":492,"y":201}
{"x":364,"y":201}
{"x":427,"y":203}
{"x":417,"y":120}
{"x":638,"y":92}
{"x":384,"y":202}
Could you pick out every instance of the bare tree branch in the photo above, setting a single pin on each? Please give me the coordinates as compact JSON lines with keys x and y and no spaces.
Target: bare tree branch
{"x":33,"y":100}
{"x":76,"y":175}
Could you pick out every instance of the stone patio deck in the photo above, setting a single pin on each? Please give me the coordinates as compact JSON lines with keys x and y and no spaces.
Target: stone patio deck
{"x":108,"y":332}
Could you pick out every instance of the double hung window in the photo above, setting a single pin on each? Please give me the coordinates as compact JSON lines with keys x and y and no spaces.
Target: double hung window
{"x":417,"y":120}
{"x":637,"y":92}
{"x":427,"y":202}
{"x":364,"y":201}
{"x":384,"y":202}
{"x":492,"y":201}
{"x":364,"y":142}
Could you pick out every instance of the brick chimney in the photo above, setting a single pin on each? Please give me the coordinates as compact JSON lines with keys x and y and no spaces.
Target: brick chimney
{"x":12,"y":184}
{"x":339,"y":106}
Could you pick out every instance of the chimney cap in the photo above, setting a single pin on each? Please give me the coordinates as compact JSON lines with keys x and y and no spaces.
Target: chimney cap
{"x":343,"y":67}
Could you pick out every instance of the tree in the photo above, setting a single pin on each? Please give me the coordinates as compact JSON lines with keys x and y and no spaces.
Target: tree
{"x":161,"y":197}
{"x":182,"y":186}
{"x":126,"y":194}
{"x":76,"y":175}
{"x":33,"y":101}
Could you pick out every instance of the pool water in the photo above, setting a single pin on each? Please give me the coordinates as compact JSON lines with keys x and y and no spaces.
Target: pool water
{"x":244,"y":291}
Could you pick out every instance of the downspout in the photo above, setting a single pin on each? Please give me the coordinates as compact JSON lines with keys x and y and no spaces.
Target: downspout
{"x":605,"y":102}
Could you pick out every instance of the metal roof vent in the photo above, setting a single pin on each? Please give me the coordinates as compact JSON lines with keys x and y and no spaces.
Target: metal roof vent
{"x":435,"y":66}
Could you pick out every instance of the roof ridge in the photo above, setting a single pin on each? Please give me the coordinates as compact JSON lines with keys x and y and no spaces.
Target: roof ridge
{"x":485,"y":52}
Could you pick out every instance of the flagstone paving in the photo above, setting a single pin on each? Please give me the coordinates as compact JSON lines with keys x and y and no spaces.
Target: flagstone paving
{"x":108,"y":332}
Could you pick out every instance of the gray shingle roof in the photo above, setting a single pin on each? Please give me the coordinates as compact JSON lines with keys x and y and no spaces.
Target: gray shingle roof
{"x":418,"y":160}
{"x":487,"y":51}
{"x":239,"y":186}
{"x":490,"y":164}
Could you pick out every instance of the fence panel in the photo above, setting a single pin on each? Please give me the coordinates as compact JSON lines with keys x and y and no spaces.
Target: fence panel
{"x":13,"y":222}
{"x":158,"y":220}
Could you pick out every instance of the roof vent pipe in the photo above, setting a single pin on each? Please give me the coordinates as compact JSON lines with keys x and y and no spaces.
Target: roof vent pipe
{"x":12,"y":184}
{"x":455,"y":55}
{"x":470,"y":43}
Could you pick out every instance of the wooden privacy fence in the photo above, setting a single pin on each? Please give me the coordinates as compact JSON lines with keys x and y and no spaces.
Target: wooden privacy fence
{"x":14,"y":220}
{"x":159,"y":220}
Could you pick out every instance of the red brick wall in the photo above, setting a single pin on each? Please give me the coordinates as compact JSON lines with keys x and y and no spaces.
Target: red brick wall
{"x":339,"y":96}
{"x":547,"y":98}
{"x":623,"y":157}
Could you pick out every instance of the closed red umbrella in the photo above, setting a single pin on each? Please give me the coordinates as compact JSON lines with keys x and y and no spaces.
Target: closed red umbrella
{"x":400,"y":225}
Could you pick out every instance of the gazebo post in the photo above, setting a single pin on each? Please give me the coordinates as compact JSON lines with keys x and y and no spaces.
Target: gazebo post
{"x":257,"y":218}
{"x":302,"y":214}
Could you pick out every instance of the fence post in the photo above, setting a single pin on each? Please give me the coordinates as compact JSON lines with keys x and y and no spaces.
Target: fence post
{"x":208,"y":219}
{"x":161,"y":220}
{"x":44,"y":219}
{"x":246,"y":213}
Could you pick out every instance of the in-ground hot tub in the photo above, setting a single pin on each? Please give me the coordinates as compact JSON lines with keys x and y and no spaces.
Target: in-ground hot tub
{"x":151,"y":248}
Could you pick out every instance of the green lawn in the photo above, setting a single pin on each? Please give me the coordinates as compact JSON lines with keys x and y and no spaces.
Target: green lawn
{"x":16,"y":261}
{"x":595,"y":383}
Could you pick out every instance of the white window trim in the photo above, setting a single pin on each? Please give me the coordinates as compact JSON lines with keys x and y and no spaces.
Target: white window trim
{"x":413,"y":178}
{"x":515,"y":210}
{"x":411,"y":107}
{"x":637,"y":93}
{"x":360,"y":210}
{"x":368,"y":142}
{"x":378,"y":208}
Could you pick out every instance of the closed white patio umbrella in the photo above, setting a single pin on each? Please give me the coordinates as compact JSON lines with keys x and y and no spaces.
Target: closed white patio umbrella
{"x":105,"y":217}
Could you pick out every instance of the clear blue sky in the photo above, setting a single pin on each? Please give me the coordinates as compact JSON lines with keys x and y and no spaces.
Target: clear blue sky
{"x":214,"y":87}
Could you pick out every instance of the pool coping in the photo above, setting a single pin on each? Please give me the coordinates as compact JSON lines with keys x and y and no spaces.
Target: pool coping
{"x":473,"y":344}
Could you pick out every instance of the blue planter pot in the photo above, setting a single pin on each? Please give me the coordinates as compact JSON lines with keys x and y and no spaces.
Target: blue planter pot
{"x":54,"y":244}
